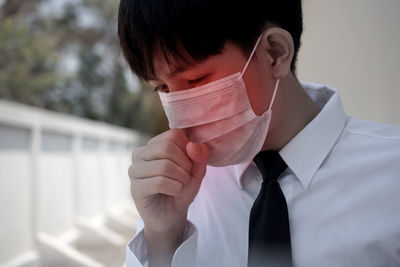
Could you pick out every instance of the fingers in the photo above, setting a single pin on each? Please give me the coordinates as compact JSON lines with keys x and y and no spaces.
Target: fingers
{"x":175,"y":135}
{"x":169,"y":164}
{"x":155,"y":185}
{"x":199,"y":154}
{"x":162,"y":150}
{"x":160,"y":167}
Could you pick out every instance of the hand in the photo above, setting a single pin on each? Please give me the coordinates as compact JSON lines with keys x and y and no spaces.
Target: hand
{"x":166,"y":175}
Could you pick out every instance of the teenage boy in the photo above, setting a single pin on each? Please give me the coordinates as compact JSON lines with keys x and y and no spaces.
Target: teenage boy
{"x":207,"y":196}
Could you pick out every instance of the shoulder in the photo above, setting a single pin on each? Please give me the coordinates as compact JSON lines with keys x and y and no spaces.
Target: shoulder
{"x":370,"y":138}
{"x":367,"y":145}
{"x":373,"y":131}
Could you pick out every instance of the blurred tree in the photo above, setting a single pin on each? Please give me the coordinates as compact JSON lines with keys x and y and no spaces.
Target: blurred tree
{"x":27,"y":63}
{"x":18,"y":7}
{"x":65,"y":56}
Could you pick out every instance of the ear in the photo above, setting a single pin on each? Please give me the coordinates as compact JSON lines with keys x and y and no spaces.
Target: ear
{"x":278,"y":45}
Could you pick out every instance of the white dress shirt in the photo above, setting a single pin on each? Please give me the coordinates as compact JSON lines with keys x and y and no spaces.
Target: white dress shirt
{"x":342,"y":188}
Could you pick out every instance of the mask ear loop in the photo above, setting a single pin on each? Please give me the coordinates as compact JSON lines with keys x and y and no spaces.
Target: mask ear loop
{"x":251,"y":56}
{"x":247,"y":64}
{"x":273,"y":95}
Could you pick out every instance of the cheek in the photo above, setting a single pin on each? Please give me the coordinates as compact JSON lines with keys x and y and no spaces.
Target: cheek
{"x":259,"y":87}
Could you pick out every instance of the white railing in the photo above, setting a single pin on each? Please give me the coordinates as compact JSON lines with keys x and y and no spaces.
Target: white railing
{"x":64,"y":189}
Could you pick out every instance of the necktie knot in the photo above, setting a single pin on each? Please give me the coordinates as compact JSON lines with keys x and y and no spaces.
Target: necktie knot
{"x":270,"y":164}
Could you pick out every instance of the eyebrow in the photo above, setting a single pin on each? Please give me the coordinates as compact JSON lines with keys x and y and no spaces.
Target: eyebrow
{"x":177,"y":69}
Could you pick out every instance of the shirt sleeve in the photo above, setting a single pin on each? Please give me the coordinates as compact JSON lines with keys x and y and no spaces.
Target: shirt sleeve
{"x":185,"y":255}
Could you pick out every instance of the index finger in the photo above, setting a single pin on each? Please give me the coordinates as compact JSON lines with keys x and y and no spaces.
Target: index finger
{"x":175,"y":135}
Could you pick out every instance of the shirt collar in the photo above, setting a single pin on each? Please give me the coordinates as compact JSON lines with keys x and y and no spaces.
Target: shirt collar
{"x":305,"y":153}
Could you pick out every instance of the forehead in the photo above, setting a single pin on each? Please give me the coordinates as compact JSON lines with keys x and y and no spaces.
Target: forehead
{"x":168,"y":65}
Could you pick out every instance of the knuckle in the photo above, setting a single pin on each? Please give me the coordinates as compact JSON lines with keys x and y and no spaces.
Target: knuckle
{"x":167,"y":147}
{"x":153,"y":139}
{"x":174,"y":132}
{"x":169,"y":169}
{"x":177,"y":134}
{"x":186,"y":175}
{"x":165,"y":166}
{"x":135,"y":153}
{"x":131,"y":171}
{"x":188,"y":165}
{"x":178,"y":187}
{"x":160,"y":183}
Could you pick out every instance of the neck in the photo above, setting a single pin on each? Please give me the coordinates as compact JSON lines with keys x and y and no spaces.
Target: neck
{"x":292,"y":110}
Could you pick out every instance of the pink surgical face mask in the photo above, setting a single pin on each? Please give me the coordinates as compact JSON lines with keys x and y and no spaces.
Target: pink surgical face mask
{"x":219,"y":115}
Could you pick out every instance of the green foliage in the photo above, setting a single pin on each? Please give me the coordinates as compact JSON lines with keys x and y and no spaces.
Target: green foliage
{"x":34,"y":49}
{"x":27,"y":63}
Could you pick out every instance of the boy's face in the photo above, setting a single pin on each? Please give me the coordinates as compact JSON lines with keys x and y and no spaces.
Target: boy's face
{"x":258,"y":78}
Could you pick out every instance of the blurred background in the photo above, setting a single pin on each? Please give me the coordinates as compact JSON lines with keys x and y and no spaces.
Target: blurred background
{"x":71,"y":111}
{"x":353,"y":45}
{"x":63,"y":55}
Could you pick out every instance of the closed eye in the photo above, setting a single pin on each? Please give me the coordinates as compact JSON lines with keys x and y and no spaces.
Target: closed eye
{"x":161,"y":88}
{"x":197,"y":80}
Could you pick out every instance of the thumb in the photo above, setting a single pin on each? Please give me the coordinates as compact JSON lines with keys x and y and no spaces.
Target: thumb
{"x":199,"y":154}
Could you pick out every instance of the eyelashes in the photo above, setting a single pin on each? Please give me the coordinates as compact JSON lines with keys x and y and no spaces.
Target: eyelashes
{"x":161,"y":88}
{"x":164,"y":88}
{"x":197,"y":80}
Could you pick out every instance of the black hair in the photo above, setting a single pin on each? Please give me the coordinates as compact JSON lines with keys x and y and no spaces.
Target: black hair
{"x":189,"y":31}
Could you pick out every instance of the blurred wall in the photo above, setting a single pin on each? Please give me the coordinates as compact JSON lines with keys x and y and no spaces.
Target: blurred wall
{"x":354,"y":45}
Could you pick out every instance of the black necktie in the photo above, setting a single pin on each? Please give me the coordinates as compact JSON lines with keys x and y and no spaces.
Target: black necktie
{"x":269,"y":234}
